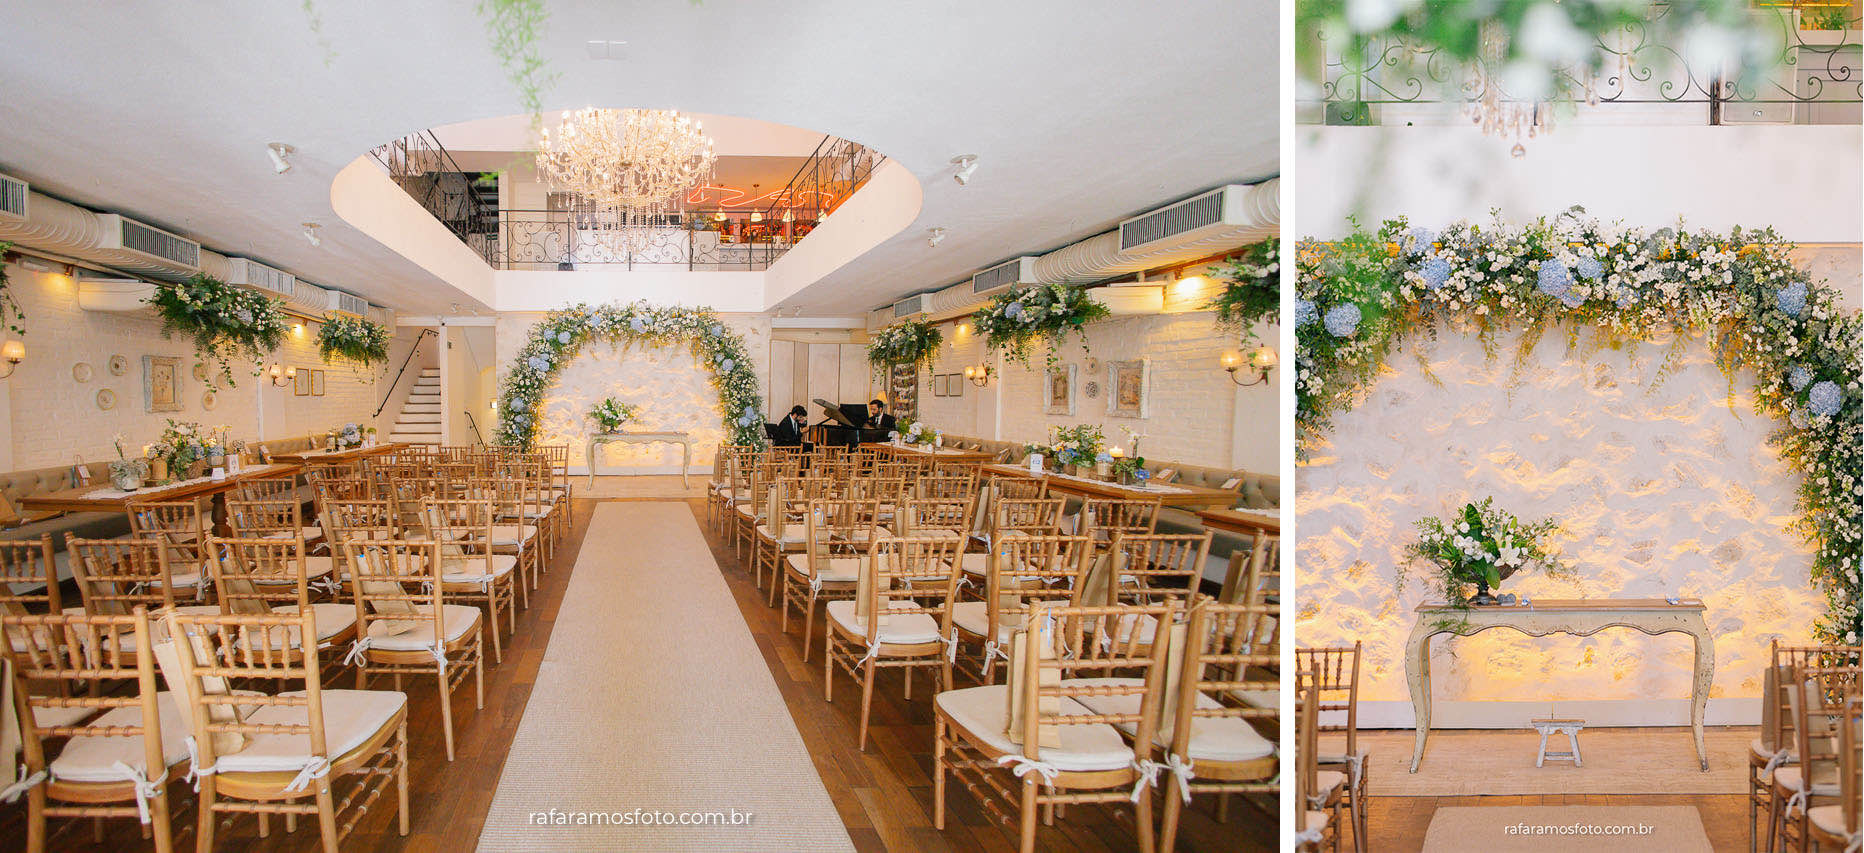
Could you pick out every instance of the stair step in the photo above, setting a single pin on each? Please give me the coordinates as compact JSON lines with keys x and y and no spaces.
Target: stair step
{"x":424,"y":399}
{"x":418,"y":418}
{"x":421,"y":408}
{"x":423,"y":429}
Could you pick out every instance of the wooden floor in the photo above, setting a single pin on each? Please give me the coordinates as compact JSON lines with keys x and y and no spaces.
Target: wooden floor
{"x":1398,"y":824}
{"x":884,"y":795}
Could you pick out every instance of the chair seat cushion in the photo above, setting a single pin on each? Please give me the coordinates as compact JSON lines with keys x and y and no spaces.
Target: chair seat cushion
{"x":64,"y":716}
{"x":906,"y":625}
{"x":1327,"y":782}
{"x":1087,"y":746}
{"x":1212,"y":738}
{"x":457,"y":620}
{"x":473,"y":569}
{"x":973,"y":617}
{"x":793,"y":535}
{"x":1824,"y":779}
{"x":513,"y":535}
{"x":332,"y":619}
{"x":351,"y":718}
{"x":838,"y":570}
{"x":91,"y":758}
{"x":1831,"y":819}
{"x":314,"y":567}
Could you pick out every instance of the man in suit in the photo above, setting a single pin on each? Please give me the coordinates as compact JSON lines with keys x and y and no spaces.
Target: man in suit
{"x":790,"y":429}
{"x":877,"y":417}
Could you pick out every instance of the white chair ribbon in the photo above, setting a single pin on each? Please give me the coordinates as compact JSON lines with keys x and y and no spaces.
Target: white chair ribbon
{"x":356,"y":649}
{"x":1181,"y":770}
{"x":195,"y":770}
{"x":440,"y":656}
{"x":316,"y":768}
{"x":1355,"y":765}
{"x":992,"y":652}
{"x":1779,"y":756}
{"x":1148,"y":776}
{"x":146,"y":790}
{"x":1307,"y":836}
{"x":815,"y":584}
{"x":1856,"y":842}
{"x":951,"y":645}
{"x":12,"y":793}
{"x":1797,"y":802}
{"x":1021,"y":766}
{"x":873,"y":651}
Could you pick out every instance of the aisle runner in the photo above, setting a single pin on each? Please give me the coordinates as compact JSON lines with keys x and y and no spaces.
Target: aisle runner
{"x":653,"y":696}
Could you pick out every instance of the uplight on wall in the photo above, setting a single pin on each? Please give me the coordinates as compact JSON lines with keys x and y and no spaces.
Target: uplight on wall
{"x":1260,"y":361}
{"x":297,"y":330}
{"x":13,"y":352}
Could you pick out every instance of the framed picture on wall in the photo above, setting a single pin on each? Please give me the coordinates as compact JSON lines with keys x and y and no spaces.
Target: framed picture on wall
{"x":301,"y":384}
{"x":317,"y":383}
{"x":1060,"y":393}
{"x":954,"y":384}
{"x":1129,"y":382}
{"x":161,"y":383}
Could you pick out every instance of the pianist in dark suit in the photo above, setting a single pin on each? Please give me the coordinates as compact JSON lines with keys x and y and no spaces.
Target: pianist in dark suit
{"x":790,"y":429}
{"x":877,"y":417}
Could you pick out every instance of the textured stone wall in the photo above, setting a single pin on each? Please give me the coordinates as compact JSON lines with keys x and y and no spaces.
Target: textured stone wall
{"x":1670,"y":490}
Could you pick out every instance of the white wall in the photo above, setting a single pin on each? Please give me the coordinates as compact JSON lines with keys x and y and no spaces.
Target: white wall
{"x":469,"y":380}
{"x":802,"y":371}
{"x":54,"y":418}
{"x":1197,"y":415}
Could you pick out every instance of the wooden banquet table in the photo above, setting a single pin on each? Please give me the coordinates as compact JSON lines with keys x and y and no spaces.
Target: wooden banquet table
{"x":1168,"y":495}
{"x":939,"y":456}
{"x":1243,"y":522}
{"x":1580,"y":617}
{"x":102,"y":497}
{"x":351,"y":455}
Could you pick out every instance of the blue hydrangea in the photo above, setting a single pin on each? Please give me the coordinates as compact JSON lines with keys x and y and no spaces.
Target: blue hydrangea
{"x":1625,"y":297}
{"x":539,"y":363}
{"x":638,"y":324}
{"x":1589,"y":269}
{"x":727,"y":365}
{"x":1013,"y":310}
{"x":1103,"y":456}
{"x":1435,"y":271}
{"x":563,"y":337}
{"x":1825,"y":399}
{"x":1571,"y":299}
{"x":1553,"y":278}
{"x":1305,"y":312}
{"x":1799,"y":377}
{"x":1791,"y":299}
{"x":517,"y":404}
{"x":1420,"y":239}
{"x":717,"y":330}
{"x":1342,"y":320}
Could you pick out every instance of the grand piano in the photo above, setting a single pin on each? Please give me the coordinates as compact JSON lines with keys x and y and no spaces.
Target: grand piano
{"x":842,"y":425}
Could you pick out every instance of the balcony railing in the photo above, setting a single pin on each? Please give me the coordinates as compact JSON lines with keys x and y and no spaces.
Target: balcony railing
{"x":699,"y":240}
{"x":832,"y":173}
{"x":465,"y":202}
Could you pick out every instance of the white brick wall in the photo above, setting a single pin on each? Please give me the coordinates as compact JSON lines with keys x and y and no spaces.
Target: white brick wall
{"x":55,"y":419}
{"x":1196,"y":416}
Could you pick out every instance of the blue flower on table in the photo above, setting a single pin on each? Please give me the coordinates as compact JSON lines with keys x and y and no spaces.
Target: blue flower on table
{"x":1305,"y":312}
{"x":1824,"y":398}
{"x":1553,"y":278}
{"x":1589,"y":269}
{"x":1435,"y":272}
{"x":1799,"y":377}
{"x":1103,"y":456}
{"x":1342,"y":320}
{"x":1791,"y":299}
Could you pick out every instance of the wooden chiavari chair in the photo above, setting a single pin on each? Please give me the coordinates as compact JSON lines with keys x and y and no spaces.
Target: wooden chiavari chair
{"x":1810,"y":778}
{"x":1054,"y":750}
{"x":470,"y":570}
{"x":782,"y":531}
{"x":115,"y":765}
{"x":1018,"y":488}
{"x":1102,"y":517}
{"x":1312,"y":826}
{"x":1774,"y":747}
{"x":278,"y":753}
{"x":181,"y":527}
{"x":836,"y":535}
{"x":1019,"y":571}
{"x":949,"y":517}
{"x":1335,"y":671}
{"x":270,"y":487}
{"x":1837,"y":825}
{"x":899,"y":617}
{"x":413,"y":632}
{"x":115,"y":576}
{"x":267,"y":575}
{"x":341,"y":488}
{"x":29,"y":577}
{"x":1012,"y":517}
{"x":284,"y":520}
{"x":512,"y":500}
{"x":750,"y":513}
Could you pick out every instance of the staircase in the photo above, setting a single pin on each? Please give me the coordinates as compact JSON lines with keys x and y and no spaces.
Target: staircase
{"x":419,"y":421}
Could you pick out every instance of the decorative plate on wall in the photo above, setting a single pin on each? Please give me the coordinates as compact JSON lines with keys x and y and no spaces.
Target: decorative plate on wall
{"x":106,"y":399}
{"x":119,"y":365}
{"x":1093,"y":390}
{"x":81,"y":371}
{"x":208,"y":401}
{"x":200,"y":371}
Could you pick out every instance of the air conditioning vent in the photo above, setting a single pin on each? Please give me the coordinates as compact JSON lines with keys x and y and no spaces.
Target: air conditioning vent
{"x":145,"y":248}
{"x":13,"y":192}
{"x":911,"y":306}
{"x":1219,"y":207}
{"x":250,"y":273}
{"x":344,"y":303}
{"x":1004,"y":275}
{"x":308,"y":299}
{"x":384,"y":317}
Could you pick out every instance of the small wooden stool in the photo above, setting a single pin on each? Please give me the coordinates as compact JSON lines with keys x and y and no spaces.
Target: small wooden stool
{"x":1551,"y":725}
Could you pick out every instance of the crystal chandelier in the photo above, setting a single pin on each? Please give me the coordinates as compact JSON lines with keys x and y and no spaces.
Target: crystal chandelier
{"x":1497,"y":112}
{"x":627,"y":170}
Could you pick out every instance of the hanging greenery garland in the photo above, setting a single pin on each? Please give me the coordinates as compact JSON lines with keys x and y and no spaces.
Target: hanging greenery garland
{"x":356,"y":338}
{"x":10,"y":314}
{"x":1250,"y":290}
{"x":561,"y":335}
{"x":914,"y":342}
{"x":1016,"y":319}
{"x":1359,"y":298}
{"x":225,"y":322}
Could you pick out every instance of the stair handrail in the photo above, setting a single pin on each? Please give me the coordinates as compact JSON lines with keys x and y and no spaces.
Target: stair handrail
{"x":404,"y":369}
{"x":475,"y":429}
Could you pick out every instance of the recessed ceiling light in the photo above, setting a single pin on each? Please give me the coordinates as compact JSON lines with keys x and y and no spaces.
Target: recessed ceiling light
{"x":280,"y":154}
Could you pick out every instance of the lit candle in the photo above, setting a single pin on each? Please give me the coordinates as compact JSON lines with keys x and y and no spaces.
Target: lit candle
{"x":1116,"y":453}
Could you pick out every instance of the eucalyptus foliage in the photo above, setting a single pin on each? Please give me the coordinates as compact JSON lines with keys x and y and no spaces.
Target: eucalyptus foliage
{"x":356,"y":338}
{"x":914,"y":342}
{"x":226,"y":323}
{"x":1015,"y":320}
{"x":1360,"y":297}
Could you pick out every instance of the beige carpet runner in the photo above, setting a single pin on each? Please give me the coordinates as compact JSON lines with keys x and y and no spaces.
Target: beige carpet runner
{"x":1593,"y":829}
{"x":653,"y":709}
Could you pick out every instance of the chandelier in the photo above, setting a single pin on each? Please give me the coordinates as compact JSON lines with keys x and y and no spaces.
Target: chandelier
{"x":626,"y":170}
{"x":1499,"y":113}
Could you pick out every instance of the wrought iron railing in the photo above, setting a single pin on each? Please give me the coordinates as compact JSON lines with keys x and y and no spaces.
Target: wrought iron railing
{"x":832,"y":173}
{"x":465,"y":202}
{"x":700,"y":240}
{"x":1812,"y":76}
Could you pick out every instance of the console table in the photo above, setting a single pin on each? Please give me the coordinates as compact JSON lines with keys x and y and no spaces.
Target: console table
{"x":684,"y":440}
{"x":1579,"y":617}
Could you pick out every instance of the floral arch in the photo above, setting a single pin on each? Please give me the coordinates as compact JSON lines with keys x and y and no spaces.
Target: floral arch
{"x":1359,"y":298}
{"x":561,"y":336}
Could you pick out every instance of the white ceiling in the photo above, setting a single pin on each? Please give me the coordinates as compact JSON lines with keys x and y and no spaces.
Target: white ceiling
{"x":1081,"y":111}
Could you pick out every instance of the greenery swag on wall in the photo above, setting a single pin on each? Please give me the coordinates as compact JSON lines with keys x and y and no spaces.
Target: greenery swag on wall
{"x":226,"y":323}
{"x":1250,"y":290}
{"x":355,"y":338}
{"x":1015,"y":320}
{"x":913,"y":342}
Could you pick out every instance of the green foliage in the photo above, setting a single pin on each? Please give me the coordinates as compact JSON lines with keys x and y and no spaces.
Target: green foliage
{"x":1015,"y":320}
{"x":914,"y":342}
{"x":514,"y":27}
{"x":611,"y":413}
{"x":1481,"y":544}
{"x":356,"y":338}
{"x":226,"y":323}
{"x":10,"y":313}
{"x":1250,"y":290}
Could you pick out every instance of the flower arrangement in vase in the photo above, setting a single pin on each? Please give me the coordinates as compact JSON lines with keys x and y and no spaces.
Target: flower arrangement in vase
{"x":1484,"y":546}
{"x":918,"y":432}
{"x":125,"y":473}
{"x":611,"y":413}
{"x":1079,"y":446}
{"x":347,"y":436}
{"x":181,"y":444}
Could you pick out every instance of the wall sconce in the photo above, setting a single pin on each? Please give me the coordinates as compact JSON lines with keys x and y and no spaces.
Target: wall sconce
{"x":1261,"y":361}
{"x":13,"y":352}
{"x":280,"y":375}
{"x":979,"y":374}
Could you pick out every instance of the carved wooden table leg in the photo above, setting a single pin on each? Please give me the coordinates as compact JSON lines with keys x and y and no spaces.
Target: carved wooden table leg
{"x":1417,"y":676}
{"x":1699,"y":692}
